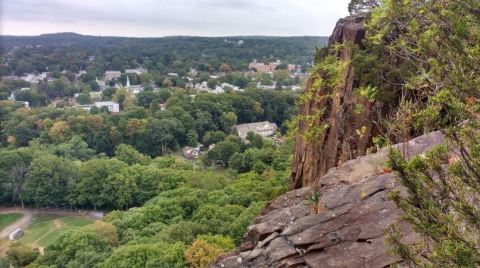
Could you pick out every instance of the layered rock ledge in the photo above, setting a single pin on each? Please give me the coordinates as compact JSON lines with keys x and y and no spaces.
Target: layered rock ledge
{"x":349,"y":232}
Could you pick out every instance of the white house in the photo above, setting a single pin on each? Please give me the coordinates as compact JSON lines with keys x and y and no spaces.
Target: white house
{"x":109,"y":75}
{"x":135,"y":89}
{"x":202,"y":86}
{"x":136,"y":71}
{"x":35,"y":78}
{"x":24,"y":103}
{"x":264,"y":129}
{"x":112,"y":106}
{"x":80,"y":73}
{"x":227,"y":85}
{"x":217,"y":90}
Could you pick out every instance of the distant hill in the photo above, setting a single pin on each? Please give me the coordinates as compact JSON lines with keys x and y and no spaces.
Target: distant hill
{"x":175,"y":53}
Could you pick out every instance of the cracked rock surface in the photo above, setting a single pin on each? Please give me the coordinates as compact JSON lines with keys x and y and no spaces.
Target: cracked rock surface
{"x":349,"y":232}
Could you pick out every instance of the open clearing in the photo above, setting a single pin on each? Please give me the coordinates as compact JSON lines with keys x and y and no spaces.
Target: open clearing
{"x":46,"y":228}
{"x":7,"y":219}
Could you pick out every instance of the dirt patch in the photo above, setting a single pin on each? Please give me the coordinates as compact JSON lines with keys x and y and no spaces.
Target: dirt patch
{"x":57,"y":224}
{"x":21,"y":223}
{"x":4,"y":247}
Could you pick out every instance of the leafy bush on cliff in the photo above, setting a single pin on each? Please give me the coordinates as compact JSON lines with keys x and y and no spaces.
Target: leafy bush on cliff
{"x":441,"y":39}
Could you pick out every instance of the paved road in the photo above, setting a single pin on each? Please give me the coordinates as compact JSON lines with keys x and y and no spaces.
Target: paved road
{"x":21,"y":223}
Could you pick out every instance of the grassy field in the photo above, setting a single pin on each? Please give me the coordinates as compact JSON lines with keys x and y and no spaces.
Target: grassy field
{"x":7,"y":219}
{"x":45,"y":229}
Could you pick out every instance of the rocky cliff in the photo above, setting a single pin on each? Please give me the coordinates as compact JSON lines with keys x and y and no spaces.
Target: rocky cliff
{"x":330,"y":157}
{"x":349,"y":232}
{"x":348,"y":134}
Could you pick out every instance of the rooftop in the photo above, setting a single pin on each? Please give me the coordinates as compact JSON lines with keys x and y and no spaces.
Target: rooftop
{"x":263,"y":129}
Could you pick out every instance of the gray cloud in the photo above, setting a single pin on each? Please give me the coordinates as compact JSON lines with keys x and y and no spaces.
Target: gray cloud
{"x":171,"y":17}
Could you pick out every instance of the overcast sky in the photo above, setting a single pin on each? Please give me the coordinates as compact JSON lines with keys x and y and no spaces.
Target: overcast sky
{"x":155,"y":18}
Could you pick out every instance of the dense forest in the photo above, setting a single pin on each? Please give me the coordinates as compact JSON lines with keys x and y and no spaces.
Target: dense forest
{"x":71,"y":52}
{"x":65,"y":157}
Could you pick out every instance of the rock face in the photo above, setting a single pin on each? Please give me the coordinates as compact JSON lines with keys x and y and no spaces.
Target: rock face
{"x":341,"y":141}
{"x":350,"y":229}
{"x":349,"y":232}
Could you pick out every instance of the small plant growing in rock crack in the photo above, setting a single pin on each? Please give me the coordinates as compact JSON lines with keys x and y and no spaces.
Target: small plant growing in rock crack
{"x":314,"y":201}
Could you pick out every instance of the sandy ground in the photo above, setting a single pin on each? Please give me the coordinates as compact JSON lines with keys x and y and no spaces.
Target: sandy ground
{"x":21,"y":223}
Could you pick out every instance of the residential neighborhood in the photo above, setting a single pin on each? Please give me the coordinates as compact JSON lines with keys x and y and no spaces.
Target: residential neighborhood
{"x":274,"y":75}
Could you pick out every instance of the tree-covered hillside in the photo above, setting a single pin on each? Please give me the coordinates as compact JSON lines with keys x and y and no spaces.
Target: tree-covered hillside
{"x":68,"y":51}
{"x":172,"y":211}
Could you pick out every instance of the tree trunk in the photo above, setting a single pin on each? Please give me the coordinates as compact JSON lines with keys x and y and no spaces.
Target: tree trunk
{"x":21,"y":199}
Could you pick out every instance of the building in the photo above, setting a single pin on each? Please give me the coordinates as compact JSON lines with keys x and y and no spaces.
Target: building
{"x":134,"y":89}
{"x":80,"y":73}
{"x":192,"y":152}
{"x":112,"y":107}
{"x":10,"y":77}
{"x":34,"y":78}
{"x":202,"y":86}
{"x":217,"y":90}
{"x":262,"y":67}
{"x":25,"y":104}
{"x":264,"y":129}
{"x":267,"y":87}
{"x":136,"y":71}
{"x":268,"y":68}
{"x":193,"y":72}
{"x":101,"y":84}
{"x":227,"y":85}
{"x":296,"y":88}
{"x":110,"y":75}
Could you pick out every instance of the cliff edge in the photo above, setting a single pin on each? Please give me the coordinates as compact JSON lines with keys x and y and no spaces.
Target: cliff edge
{"x":351,"y":229}
{"x":355,"y":212}
{"x":332,"y":102}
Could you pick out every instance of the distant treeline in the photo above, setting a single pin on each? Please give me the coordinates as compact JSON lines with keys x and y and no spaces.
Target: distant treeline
{"x":71,"y":52}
